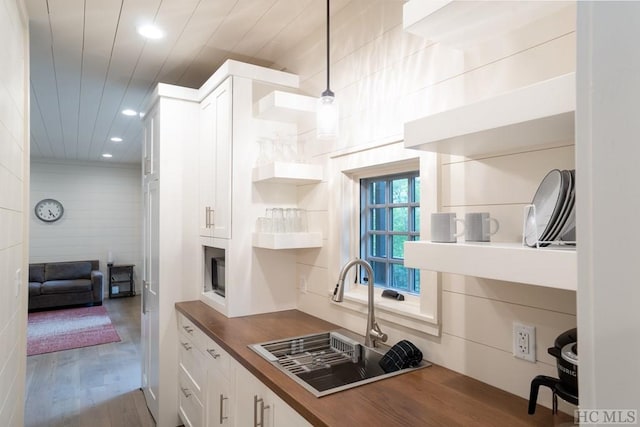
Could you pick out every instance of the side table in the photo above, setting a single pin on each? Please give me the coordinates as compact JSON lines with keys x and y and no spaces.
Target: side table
{"x":121,"y":282}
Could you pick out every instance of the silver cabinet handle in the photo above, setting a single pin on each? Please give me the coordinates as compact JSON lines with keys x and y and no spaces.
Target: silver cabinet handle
{"x":185,"y":391}
{"x":186,"y":346}
{"x":213,"y":353}
{"x":147,"y":166}
{"x":208,"y":215}
{"x":145,"y":285}
{"x":222,"y":417}
{"x":188,"y":329}
{"x":256,"y":401}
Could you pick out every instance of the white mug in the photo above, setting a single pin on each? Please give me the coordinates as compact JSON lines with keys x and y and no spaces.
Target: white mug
{"x":443,"y":227}
{"x":478,"y":227}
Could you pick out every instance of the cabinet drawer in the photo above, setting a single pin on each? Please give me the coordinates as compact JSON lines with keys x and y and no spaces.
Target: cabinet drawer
{"x":193,"y":363}
{"x":212,"y":351}
{"x":217,"y":356}
{"x":190,"y":408}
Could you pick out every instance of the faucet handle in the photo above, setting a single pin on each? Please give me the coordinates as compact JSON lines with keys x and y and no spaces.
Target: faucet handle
{"x":376,"y":334}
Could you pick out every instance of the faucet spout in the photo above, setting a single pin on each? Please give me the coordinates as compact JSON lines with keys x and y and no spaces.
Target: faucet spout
{"x":373,"y":333}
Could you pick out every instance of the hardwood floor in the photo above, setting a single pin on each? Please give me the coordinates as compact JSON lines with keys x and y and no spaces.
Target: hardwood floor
{"x":95,"y":386}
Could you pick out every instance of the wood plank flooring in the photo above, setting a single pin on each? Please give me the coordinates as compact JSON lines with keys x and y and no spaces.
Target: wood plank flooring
{"x":95,"y":386}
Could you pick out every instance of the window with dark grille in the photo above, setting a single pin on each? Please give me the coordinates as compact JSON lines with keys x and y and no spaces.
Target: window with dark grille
{"x":390,"y":215}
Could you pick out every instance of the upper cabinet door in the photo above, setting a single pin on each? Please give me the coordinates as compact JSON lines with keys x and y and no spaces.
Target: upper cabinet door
{"x":215,"y":157}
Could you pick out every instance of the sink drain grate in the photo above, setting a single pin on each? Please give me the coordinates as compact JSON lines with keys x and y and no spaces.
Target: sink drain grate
{"x":306,"y":354}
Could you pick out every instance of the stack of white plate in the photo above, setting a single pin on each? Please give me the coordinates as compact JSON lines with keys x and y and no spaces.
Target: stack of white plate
{"x":553,"y":217}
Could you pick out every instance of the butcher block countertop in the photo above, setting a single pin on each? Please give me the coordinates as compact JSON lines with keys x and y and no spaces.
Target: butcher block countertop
{"x":433,"y":396}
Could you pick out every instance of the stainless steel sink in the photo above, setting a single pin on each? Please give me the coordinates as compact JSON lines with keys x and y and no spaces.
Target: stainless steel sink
{"x":328,"y":362}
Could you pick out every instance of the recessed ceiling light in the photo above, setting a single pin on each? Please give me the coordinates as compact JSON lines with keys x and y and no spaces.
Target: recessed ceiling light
{"x":129,"y":112}
{"x":116,"y":139}
{"x":107,"y":155}
{"x":150,"y":32}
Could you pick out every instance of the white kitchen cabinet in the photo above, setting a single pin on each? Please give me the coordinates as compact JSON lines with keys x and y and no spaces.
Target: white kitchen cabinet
{"x":256,"y":281}
{"x":169,"y":235}
{"x":257,"y":405}
{"x":220,"y":397}
{"x":191,"y":409}
{"x":532,"y":117}
{"x":215,"y":165}
{"x":215,"y":390}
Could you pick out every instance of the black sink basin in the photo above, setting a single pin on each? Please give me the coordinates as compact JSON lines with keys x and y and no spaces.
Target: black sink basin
{"x":328,"y":362}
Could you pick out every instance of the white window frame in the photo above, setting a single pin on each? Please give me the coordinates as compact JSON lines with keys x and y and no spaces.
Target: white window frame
{"x":418,"y":312}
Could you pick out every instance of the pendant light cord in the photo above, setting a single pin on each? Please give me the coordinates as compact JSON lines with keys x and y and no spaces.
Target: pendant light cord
{"x":328,"y":91}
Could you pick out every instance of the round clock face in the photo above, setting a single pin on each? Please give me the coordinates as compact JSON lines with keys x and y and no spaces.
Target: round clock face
{"x":49,"y":210}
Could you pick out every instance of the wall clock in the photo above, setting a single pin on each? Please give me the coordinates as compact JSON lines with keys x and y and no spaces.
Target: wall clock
{"x":49,"y":210}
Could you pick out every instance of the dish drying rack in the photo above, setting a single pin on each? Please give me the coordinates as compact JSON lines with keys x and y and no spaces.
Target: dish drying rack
{"x":308,"y":354}
{"x":530,"y":212}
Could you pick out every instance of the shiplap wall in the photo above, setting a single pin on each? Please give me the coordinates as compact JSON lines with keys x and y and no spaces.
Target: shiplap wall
{"x":14,"y":184}
{"x":384,"y":76}
{"x":102,"y":213}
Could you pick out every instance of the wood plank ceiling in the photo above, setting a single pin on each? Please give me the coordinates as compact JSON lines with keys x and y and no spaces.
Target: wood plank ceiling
{"x":88,"y":62}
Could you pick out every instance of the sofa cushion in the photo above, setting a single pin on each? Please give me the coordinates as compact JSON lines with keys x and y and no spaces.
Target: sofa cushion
{"x":65,"y":286}
{"x":36,"y":273}
{"x":68,"y":270}
{"x":34,"y":288}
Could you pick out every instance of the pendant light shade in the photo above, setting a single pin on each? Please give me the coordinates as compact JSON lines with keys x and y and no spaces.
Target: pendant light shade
{"x":328,"y":114}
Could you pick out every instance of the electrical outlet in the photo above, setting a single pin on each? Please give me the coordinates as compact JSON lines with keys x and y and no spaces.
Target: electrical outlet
{"x":524,"y":341}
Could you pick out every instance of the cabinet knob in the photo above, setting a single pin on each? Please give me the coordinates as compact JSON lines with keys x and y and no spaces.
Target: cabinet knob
{"x":188,"y":329}
{"x":213,"y":353}
{"x":186,"y":346}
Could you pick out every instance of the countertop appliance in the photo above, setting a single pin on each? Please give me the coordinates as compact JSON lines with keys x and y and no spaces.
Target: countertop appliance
{"x":217,"y":276}
{"x":565,"y":350}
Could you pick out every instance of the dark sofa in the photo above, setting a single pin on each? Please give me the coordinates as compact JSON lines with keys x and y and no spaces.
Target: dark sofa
{"x":57,"y":284}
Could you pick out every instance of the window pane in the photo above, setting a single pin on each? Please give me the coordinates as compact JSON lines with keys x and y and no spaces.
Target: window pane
{"x":400,"y":277}
{"x":400,"y":219}
{"x":377,"y":245}
{"x":378,"y":220}
{"x":397,"y":243}
{"x":400,"y":190}
{"x":379,"y":273}
{"x":416,"y":219}
{"x":416,"y":281}
{"x":416,"y":189}
{"x":377,"y":192}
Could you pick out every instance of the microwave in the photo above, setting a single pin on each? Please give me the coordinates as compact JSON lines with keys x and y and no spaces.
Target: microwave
{"x":217,"y":275}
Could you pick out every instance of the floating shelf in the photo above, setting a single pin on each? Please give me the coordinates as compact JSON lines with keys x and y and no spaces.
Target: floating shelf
{"x":288,"y":173}
{"x":538,"y":115}
{"x":286,"y":107}
{"x":461,"y":24}
{"x":287,"y":240}
{"x":550,"y":267}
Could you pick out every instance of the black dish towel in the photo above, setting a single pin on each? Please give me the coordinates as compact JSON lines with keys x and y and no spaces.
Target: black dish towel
{"x":402,"y":355}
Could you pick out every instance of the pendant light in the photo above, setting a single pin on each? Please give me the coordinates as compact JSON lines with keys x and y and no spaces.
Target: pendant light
{"x":327,"y":115}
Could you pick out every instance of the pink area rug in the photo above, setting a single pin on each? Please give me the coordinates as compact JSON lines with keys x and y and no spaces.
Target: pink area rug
{"x":56,"y":330}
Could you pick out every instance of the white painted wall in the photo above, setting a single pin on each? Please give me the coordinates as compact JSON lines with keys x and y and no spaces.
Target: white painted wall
{"x":383,"y":77}
{"x":14,"y":184}
{"x":102,"y":213}
{"x":608,"y":204}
